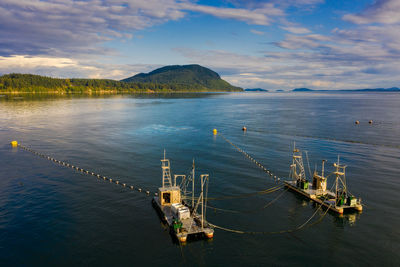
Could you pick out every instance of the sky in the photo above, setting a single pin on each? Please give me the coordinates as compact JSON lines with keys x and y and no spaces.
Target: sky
{"x":271,"y":44}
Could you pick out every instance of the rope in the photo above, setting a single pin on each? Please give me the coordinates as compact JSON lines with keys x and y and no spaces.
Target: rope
{"x":251,"y":211}
{"x":329,"y":139}
{"x":264,"y":169}
{"x":263,"y":192}
{"x":302,"y":226}
{"x":76,"y":168}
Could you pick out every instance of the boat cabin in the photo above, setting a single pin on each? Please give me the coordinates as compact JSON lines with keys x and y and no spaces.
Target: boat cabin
{"x":319,"y":182}
{"x":169,"y":195}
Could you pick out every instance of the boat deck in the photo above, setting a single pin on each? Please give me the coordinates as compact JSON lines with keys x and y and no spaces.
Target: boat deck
{"x":313,"y":195}
{"x":190,"y":226}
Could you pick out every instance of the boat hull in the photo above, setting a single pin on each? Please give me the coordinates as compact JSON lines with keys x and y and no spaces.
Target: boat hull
{"x":313,"y":195}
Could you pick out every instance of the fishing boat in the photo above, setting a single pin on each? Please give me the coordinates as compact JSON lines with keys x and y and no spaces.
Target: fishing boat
{"x":338,"y":200}
{"x":181,"y":216}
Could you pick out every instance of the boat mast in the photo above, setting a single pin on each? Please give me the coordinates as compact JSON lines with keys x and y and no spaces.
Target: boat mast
{"x":166,"y":172}
{"x":340,"y":172}
{"x":203,"y":180}
{"x":297,"y":161}
{"x":202,"y":202}
{"x":193,"y":185}
{"x":337,"y":177}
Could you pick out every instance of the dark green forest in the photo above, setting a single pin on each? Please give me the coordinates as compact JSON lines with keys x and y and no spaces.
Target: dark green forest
{"x":29,"y":83}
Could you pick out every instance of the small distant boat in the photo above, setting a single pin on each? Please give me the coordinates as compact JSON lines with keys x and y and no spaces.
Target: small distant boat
{"x":338,"y":200}
{"x":182,"y":217}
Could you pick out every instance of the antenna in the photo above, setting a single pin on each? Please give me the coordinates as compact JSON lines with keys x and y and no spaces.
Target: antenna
{"x":308,"y":163}
{"x":323,"y":165}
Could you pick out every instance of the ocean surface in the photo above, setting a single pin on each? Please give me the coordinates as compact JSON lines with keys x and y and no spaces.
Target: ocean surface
{"x":53,"y":215}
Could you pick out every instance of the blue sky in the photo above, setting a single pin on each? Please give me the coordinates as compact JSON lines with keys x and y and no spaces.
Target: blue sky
{"x":273,"y":44}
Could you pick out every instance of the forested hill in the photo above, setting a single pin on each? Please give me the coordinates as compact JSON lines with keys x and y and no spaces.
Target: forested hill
{"x":36,"y":83}
{"x":191,"y":75}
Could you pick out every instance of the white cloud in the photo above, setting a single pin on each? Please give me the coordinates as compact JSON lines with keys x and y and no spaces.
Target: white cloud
{"x":258,"y":16}
{"x":68,"y":27}
{"x":257,"y":32}
{"x":296,"y":30}
{"x":381,"y":11}
{"x":59,"y":67}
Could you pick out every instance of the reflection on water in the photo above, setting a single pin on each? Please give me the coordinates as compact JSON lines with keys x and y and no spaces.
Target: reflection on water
{"x":68,"y":218}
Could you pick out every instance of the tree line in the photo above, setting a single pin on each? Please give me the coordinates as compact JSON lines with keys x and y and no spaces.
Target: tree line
{"x":40,"y":84}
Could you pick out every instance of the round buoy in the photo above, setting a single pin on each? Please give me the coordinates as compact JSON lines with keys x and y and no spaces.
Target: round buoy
{"x":244,"y":129}
{"x":357,"y":122}
{"x":215,"y":131}
{"x":14,"y":143}
{"x":370,"y":122}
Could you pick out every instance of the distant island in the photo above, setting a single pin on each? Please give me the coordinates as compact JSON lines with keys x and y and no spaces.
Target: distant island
{"x":255,"y":90}
{"x":302,"y":90}
{"x":186,"y":78}
{"x":392,"y":89}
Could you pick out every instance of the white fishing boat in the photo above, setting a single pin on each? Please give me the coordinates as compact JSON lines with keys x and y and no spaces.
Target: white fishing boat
{"x":183,"y":219}
{"x":338,"y":200}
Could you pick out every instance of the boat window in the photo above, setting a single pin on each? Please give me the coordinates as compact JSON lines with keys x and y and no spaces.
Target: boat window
{"x":166,"y":197}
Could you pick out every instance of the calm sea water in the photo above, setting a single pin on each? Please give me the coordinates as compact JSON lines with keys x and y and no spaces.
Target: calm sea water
{"x":51,"y":215}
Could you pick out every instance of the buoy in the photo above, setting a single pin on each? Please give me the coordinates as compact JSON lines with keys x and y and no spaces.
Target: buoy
{"x":132,"y":187}
{"x":14,"y":143}
{"x":215,"y":131}
{"x":370,"y":122}
{"x":123,"y":185}
{"x":357,"y":122}
{"x":147,"y":192}
{"x":244,"y":129}
{"x":117,"y":182}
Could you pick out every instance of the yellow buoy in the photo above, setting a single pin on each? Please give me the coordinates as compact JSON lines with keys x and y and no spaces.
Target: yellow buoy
{"x":14,"y":143}
{"x":215,"y":131}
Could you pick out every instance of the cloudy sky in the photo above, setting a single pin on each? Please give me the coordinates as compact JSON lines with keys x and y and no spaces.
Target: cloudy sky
{"x":273,"y":44}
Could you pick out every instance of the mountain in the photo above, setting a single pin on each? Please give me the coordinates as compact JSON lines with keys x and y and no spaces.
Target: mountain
{"x":302,"y":90}
{"x":169,"y":79}
{"x":393,"y":89}
{"x":255,"y":90}
{"x":195,"y":77}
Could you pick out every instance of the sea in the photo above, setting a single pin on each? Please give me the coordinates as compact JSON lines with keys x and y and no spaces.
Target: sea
{"x":52,"y":215}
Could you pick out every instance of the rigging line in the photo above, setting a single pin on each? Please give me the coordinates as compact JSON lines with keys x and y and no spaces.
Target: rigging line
{"x":277,"y":179}
{"x":303,"y":226}
{"x":329,"y":139}
{"x":83,"y":171}
{"x":283,"y":231}
{"x":251,"y":211}
{"x":268,"y":191}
